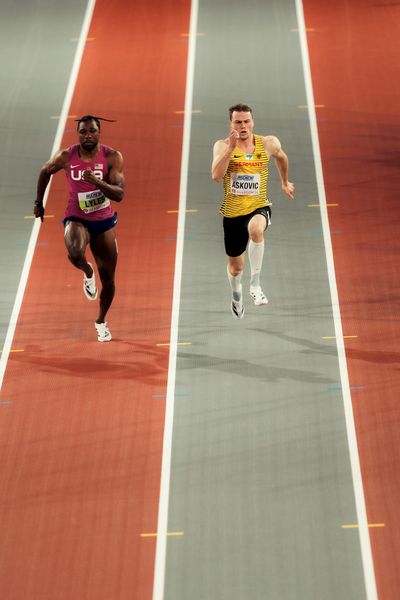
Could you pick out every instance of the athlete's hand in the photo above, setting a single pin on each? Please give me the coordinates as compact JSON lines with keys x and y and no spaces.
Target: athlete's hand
{"x":38,"y":210}
{"x":88,"y":176}
{"x":233,"y":138}
{"x":288,"y":188}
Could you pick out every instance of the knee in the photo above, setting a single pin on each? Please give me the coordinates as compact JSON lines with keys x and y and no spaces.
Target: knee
{"x":75,"y":256}
{"x":235,"y":270}
{"x":257,"y":236}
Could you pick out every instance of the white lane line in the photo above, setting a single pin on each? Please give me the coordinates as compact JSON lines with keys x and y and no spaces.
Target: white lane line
{"x":162,"y":526}
{"x":35,"y":229}
{"x":365,"y":543}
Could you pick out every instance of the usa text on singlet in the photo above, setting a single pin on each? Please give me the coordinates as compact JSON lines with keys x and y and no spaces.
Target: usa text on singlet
{"x":245,"y":181}
{"x":85,"y":200}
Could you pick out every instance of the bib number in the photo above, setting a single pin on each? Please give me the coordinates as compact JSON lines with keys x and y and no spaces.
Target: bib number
{"x":245,"y":184}
{"x":91,"y":201}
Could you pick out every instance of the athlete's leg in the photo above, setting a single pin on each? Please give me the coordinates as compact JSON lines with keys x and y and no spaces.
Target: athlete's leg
{"x":256,"y":228}
{"x":105,"y":252}
{"x":76,"y":238}
{"x":235,"y":270}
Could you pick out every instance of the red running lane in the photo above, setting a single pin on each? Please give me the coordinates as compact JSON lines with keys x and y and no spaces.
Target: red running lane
{"x":81,"y":442}
{"x":354,"y":55}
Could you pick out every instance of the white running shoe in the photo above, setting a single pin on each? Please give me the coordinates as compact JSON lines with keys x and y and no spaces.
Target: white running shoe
{"x":258,"y":295}
{"x":89,"y":286}
{"x":103,"y":333}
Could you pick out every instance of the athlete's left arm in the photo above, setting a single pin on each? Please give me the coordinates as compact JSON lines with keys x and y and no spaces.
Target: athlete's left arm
{"x":115,"y":187}
{"x":273,"y":148}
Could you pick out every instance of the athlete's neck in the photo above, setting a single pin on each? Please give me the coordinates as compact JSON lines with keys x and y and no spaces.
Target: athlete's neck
{"x":247,"y":145}
{"x":88,"y":155}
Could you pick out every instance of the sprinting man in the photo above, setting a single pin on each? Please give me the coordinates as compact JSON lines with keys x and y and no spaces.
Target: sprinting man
{"x":241,"y":161}
{"x":95,"y":177}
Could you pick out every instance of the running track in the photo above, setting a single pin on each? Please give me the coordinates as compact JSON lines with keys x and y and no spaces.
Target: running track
{"x":82,"y":451}
{"x":355,"y":54}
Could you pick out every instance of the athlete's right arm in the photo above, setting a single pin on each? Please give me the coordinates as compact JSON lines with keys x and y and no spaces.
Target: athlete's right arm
{"x":56,"y":163}
{"x":222,"y":155}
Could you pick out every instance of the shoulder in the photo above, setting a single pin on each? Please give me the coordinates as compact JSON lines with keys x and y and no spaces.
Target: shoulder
{"x":114,"y":157}
{"x":220,"y":145}
{"x":272,"y":144}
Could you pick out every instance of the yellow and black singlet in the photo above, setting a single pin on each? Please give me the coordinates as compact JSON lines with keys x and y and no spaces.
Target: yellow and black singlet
{"x":245,"y":181}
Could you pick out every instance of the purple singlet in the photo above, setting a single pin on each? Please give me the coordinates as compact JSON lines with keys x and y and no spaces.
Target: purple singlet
{"x":85,"y":200}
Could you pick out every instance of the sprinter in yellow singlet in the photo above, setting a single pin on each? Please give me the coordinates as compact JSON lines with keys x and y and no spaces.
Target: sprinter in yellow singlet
{"x":241,"y":162}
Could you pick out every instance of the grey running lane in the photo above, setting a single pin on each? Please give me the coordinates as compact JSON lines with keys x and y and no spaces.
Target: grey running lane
{"x":37,"y":49}
{"x":261,"y":480}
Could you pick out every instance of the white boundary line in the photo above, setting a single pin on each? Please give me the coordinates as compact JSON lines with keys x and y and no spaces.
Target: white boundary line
{"x":36,"y":226}
{"x":365,"y":543}
{"x":162,"y":526}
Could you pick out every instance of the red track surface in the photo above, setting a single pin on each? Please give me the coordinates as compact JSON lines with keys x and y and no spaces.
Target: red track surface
{"x":355,"y":57}
{"x":82,"y":440}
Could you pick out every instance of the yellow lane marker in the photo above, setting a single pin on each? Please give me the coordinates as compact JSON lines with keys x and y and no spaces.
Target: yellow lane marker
{"x":355,"y":525}
{"x":306,"y":29}
{"x":315,"y":205}
{"x":188,"y":210}
{"x":33,"y":217}
{"x":15,"y":350}
{"x":178,"y":344}
{"x":169,"y":533}
{"x":315,"y":106}
{"x":333,"y":337}
{"x":88,"y":39}
{"x":59,"y":117}
{"x":199,"y":34}
{"x":194,"y":111}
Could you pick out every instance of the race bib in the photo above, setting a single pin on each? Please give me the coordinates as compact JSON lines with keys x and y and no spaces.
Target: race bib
{"x":245,"y":184}
{"x":91,"y":201}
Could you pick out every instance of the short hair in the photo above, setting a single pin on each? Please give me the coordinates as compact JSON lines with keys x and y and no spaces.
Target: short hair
{"x":97,"y":120}
{"x":239,"y":108}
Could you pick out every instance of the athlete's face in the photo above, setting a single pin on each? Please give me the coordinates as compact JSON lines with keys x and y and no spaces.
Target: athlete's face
{"x":89,"y":135}
{"x":243,"y":123}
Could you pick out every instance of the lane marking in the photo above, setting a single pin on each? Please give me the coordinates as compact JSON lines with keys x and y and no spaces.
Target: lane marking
{"x":36,"y":223}
{"x":88,"y":39}
{"x":188,"y":210}
{"x":177,"y":395}
{"x":318,"y":205}
{"x":198,"y":34}
{"x":333,"y":337}
{"x":14,"y":350}
{"x":176,"y":344}
{"x":193,"y":111}
{"x":365,"y":542}
{"x":61,"y":117}
{"x":162,"y":525}
{"x":306,"y":29}
{"x":169,"y":534}
{"x":303,"y":106}
{"x":33,"y":217}
{"x":355,"y":525}
{"x":338,"y":388}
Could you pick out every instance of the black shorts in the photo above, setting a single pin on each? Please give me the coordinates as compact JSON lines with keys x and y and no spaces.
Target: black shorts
{"x":236,"y":234}
{"x":94,"y":227}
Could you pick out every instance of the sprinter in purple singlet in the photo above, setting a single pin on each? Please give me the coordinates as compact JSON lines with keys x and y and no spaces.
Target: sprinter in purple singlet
{"x":95,"y":178}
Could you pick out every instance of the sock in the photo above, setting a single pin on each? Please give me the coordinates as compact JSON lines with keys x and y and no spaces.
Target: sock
{"x":256,"y":254}
{"x":235,"y":284}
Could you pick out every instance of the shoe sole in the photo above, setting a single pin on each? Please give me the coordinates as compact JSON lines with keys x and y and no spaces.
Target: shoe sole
{"x":235,"y":314}
{"x":88,"y":296}
{"x":107,"y":339}
{"x":258,"y":303}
